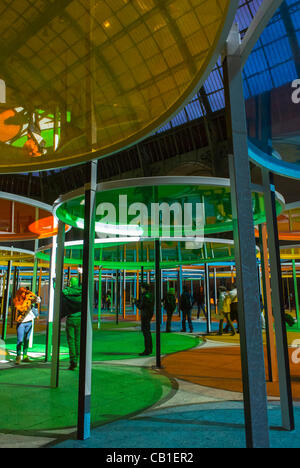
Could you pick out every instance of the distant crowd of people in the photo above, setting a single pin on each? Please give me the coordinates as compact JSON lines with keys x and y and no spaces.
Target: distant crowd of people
{"x":227,"y":310}
{"x":27,"y":311}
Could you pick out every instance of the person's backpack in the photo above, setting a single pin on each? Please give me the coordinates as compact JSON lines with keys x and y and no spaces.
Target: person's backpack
{"x":170,"y":302}
{"x":186,"y":302}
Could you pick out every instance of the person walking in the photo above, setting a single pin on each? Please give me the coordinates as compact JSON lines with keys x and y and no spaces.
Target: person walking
{"x":146,"y":306}
{"x":169,"y":304}
{"x":108,"y":300}
{"x":234,"y":316}
{"x":200,"y":301}
{"x":186,"y":306}
{"x":224,"y":310}
{"x":71,"y":308}
{"x":25,"y":303}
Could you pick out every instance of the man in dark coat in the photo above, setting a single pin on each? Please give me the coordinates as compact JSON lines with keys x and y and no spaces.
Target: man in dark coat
{"x":200,"y":301}
{"x":169,"y":304}
{"x":71,"y":308}
{"x":186,"y":306}
{"x":146,"y":306}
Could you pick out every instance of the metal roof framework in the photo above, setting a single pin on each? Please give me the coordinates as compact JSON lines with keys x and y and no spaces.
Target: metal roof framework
{"x":273,"y":62}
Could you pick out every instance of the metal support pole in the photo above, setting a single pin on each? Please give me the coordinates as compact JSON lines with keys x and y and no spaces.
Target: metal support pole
{"x":271,"y":346}
{"x":215,"y":291}
{"x":296,"y":290}
{"x":117,"y":296}
{"x":287,"y":411}
{"x":6,"y":300}
{"x":51,"y":301}
{"x":86,"y":337}
{"x":162,"y":295}
{"x":34,"y":278}
{"x":135,"y":281}
{"x":14,"y":290}
{"x":59,"y":274}
{"x":100,"y":298}
{"x":124,"y":294}
{"x":158,"y":302}
{"x":142,"y":260}
{"x":35,"y":268}
{"x":4,"y":279}
{"x":252,"y":353}
{"x":207,"y":298}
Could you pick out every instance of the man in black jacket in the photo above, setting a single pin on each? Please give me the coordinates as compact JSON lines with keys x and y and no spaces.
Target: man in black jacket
{"x":186,"y":306}
{"x":146,"y":305}
{"x":71,"y":308}
{"x":169,"y":304}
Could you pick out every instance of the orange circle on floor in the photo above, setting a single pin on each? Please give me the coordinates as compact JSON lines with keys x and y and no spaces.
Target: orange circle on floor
{"x":220,"y":368}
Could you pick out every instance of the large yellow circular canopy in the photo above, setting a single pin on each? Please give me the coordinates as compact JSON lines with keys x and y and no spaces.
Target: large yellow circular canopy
{"x":86,"y":78}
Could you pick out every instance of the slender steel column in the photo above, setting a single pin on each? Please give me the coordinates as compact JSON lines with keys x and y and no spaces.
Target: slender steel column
{"x":118,"y":303}
{"x":4,"y":278}
{"x":207,"y":298}
{"x":162,"y":294}
{"x":287,"y":411}
{"x":142,"y":260}
{"x":135,"y":284}
{"x":34,"y":279}
{"x":59,"y":275}
{"x":271,"y":346}
{"x":14,"y":290}
{"x":51,"y":301}
{"x":100,"y":298}
{"x":215,"y":290}
{"x":124,"y":294}
{"x":252,"y":353}
{"x":85,"y":370}
{"x":158,"y":302}
{"x":6,"y":300}
{"x":296,"y":289}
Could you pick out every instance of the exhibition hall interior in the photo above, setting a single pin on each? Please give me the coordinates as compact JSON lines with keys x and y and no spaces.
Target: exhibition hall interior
{"x":150,"y":224}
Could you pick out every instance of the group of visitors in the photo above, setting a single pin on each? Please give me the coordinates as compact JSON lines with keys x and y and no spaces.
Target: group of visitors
{"x":26,"y":304}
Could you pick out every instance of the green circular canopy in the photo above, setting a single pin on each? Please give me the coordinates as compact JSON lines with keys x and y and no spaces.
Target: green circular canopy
{"x":81,"y":79}
{"x":160,"y":207}
{"x":134,"y":255}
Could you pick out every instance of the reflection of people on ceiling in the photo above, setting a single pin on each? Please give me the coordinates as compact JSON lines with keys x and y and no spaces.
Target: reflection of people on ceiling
{"x":35,"y":144}
{"x":222,"y":203}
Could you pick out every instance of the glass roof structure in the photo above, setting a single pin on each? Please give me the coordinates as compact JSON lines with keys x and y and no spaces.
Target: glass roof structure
{"x":86,"y":79}
{"x":273,"y":63}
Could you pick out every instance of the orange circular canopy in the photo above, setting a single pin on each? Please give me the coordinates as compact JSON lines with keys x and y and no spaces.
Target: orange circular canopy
{"x":86,"y":78}
{"x":45,"y":227}
{"x":288,"y":224}
{"x":21,"y":221}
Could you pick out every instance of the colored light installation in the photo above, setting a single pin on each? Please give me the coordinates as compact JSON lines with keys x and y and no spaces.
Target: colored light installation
{"x":45,"y":227}
{"x":90,"y":78}
{"x":15,"y":255}
{"x":272,"y":92}
{"x":24,"y":219}
{"x":118,"y":255}
{"x":160,"y":207}
{"x":288,"y":223}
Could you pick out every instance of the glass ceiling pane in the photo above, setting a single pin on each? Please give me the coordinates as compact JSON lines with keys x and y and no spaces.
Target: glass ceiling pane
{"x":86,"y":78}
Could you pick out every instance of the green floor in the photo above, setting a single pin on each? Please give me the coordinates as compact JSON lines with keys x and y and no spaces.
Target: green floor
{"x":112,"y":344}
{"x":30,"y":406}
